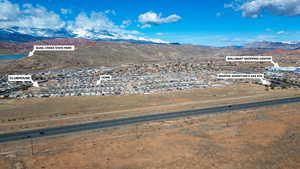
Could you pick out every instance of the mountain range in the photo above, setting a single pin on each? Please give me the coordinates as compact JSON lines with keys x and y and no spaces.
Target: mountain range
{"x":273,"y":45}
{"x":22,"y":35}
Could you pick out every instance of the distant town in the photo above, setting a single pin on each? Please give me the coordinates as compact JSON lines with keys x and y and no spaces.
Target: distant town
{"x":129,"y":79}
{"x":125,"y":80}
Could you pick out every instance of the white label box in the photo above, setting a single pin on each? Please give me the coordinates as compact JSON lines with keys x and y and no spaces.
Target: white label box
{"x":22,"y":78}
{"x":53,"y":47}
{"x":19,"y":78}
{"x":105,"y":77}
{"x":249,"y":58}
{"x":240,"y":76}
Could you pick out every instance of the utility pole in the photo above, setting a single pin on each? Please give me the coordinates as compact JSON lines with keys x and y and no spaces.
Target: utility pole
{"x":107,"y":162}
{"x":31,"y":143}
{"x":31,"y":140}
{"x":136,"y":131}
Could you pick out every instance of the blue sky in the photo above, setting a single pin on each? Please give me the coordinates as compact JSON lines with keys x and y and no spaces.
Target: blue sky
{"x":213,"y":22}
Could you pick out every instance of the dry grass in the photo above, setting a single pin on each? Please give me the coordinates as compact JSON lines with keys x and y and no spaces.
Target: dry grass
{"x":263,"y":138}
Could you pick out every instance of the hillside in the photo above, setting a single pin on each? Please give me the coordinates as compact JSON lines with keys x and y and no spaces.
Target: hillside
{"x":91,"y":53}
{"x":273,"y":45}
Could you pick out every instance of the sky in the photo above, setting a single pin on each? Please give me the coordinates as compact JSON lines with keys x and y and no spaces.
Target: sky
{"x":212,"y":22}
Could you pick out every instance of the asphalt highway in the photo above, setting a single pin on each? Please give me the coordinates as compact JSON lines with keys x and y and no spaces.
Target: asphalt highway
{"x":22,"y":135}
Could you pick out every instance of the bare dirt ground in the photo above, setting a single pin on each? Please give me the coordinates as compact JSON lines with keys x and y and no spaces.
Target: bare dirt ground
{"x":264,"y":138}
{"x":24,"y":114}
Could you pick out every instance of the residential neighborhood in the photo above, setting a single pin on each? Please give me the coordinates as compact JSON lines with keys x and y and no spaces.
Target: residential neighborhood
{"x":125,"y":80}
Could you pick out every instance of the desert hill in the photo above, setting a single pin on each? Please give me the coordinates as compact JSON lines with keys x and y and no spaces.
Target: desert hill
{"x":92,"y":53}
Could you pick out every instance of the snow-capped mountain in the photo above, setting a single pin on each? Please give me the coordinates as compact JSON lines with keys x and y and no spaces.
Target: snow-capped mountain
{"x":20,"y":35}
{"x":9,"y":35}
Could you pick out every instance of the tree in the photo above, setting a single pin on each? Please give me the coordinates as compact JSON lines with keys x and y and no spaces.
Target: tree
{"x":267,"y":88}
{"x":272,"y":87}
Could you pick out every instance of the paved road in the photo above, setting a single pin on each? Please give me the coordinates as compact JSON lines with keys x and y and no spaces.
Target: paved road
{"x":133,"y":120}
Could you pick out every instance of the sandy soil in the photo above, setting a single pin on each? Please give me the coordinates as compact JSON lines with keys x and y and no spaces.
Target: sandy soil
{"x":265,"y":138}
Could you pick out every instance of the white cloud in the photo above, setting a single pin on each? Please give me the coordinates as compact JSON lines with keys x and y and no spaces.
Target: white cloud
{"x":28,"y":16}
{"x":8,"y":11}
{"x":95,"y":21}
{"x":254,"y":8}
{"x":160,"y":34}
{"x":39,"y":17}
{"x":65,"y":11}
{"x":281,"y":32}
{"x":125,"y":23}
{"x":98,"y":25}
{"x":135,"y":32}
{"x":152,"y":18}
{"x":37,"y":20}
{"x":110,"y":11}
{"x":145,"y":26}
{"x":94,"y":25}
